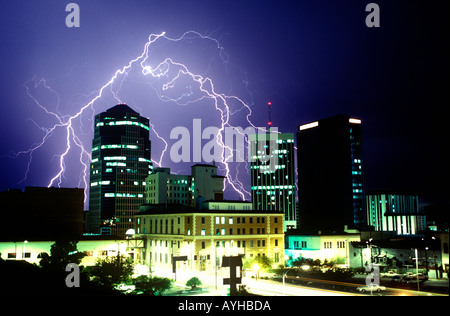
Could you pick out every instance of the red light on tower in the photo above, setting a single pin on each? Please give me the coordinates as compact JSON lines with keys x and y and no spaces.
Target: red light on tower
{"x":270,"y":118}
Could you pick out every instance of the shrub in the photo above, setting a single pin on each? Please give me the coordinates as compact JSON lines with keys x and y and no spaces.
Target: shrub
{"x":193,"y":282}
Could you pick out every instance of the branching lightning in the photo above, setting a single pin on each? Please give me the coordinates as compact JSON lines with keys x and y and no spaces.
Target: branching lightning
{"x":169,"y":72}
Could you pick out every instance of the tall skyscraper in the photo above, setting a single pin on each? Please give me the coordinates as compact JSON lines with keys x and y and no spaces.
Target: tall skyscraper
{"x":273,"y":175}
{"x":331,"y":174}
{"x":120,"y":163}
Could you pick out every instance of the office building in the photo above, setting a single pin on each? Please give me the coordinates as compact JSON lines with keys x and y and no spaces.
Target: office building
{"x":397,"y":212}
{"x":330,"y":159}
{"x":272,"y":172}
{"x":163,"y":187}
{"x":207,"y":185}
{"x":120,"y":163}
{"x":203,"y":185}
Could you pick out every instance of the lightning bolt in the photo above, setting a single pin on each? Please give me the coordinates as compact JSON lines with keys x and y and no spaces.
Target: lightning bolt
{"x":168,"y":73}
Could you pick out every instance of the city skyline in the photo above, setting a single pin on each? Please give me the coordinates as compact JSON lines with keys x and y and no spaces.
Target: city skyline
{"x":313,"y":61}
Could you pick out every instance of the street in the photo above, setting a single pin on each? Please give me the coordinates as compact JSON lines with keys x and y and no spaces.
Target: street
{"x":267,"y":285}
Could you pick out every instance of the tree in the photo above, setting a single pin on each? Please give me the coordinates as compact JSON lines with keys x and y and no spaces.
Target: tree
{"x":152,"y":286}
{"x":112,"y":270}
{"x":193,"y":282}
{"x":263,"y":262}
{"x":61,"y":254}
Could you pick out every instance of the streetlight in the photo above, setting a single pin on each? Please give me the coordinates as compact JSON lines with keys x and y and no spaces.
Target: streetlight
{"x":417,"y":268}
{"x":256,"y":267}
{"x":217,"y":259}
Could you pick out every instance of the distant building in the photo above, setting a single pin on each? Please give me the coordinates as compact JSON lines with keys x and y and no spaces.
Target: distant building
{"x":272,"y":172}
{"x":120,"y":163}
{"x":205,"y":236}
{"x":207,"y":185}
{"x":203,"y":185}
{"x":397,"y":212}
{"x":163,"y":187}
{"x":331,"y":181}
{"x":41,"y":214}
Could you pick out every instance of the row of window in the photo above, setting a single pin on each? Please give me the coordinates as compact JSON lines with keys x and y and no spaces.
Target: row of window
{"x":329,"y":244}
{"x":239,"y":220}
{"x":326,"y":244}
{"x":239,"y":231}
{"x":239,"y":244}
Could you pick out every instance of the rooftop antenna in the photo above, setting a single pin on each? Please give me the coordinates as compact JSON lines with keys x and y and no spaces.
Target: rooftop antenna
{"x":269,"y":104}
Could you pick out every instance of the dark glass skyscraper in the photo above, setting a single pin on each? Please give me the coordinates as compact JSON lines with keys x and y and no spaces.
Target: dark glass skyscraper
{"x":120,"y":163}
{"x":331,"y":184}
{"x":273,"y":175}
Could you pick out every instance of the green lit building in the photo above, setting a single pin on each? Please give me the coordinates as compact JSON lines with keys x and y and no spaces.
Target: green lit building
{"x":120,"y":163}
{"x":273,"y":175}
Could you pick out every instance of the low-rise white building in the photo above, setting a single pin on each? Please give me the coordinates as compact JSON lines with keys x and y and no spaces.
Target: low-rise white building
{"x":323,"y":247}
{"x":31,"y":251}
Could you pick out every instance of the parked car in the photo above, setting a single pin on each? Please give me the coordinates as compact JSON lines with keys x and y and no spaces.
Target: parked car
{"x":411,"y":277}
{"x":390,"y":273}
{"x":419,"y":276}
{"x":371,"y":288}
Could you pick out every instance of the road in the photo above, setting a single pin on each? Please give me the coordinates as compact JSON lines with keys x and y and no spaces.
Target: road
{"x":274,"y":288}
{"x":294,"y":286}
{"x":351,"y":288}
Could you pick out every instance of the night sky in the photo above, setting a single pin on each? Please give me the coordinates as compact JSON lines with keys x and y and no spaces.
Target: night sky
{"x":311,"y":59}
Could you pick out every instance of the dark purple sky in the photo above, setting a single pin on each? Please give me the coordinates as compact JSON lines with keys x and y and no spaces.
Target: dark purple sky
{"x":311,"y":59}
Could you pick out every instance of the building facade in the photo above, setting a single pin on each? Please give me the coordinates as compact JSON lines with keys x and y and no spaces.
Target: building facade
{"x":163,"y":187}
{"x":331,"y":185}
{"x":395,"y":211}
{"x":192,"y":190}
{"x":272,"y":172}
{"x":120,"y":163}
{"x":204,"y":237}
{"x":207,"y":185}
{"x":335,"y":248}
